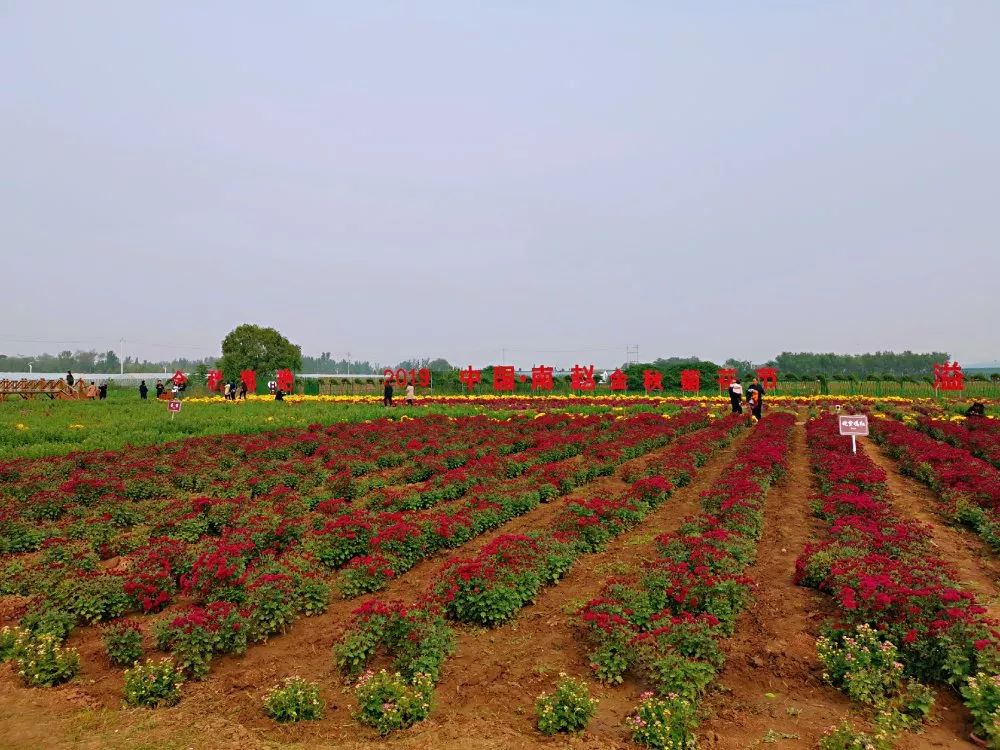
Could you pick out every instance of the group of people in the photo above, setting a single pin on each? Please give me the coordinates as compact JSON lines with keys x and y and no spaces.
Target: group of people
{"x":230,"y":392}
{"x":387,"y":394}
{"x":754,"y":397}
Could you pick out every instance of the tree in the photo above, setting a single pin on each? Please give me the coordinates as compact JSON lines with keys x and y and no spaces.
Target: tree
{"x":111,"y":362}
{"x":250,"y":347}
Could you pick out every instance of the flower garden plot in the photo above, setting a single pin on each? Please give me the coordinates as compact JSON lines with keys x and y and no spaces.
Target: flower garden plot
{"x":246,"y":565}
{"x":663,"y":623}
{"x":881,"y":571}
{"x":981,"y":437}
{"x":968,"y":487}
{"x":490,"y":588}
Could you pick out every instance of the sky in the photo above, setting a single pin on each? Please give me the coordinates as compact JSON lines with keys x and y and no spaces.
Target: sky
{"x":514,"y":181}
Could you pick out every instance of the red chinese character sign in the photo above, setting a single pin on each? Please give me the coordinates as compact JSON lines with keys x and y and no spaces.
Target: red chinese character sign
{"x":652,"y":380}
{"x":690,"y":381}
{"x":285,"y":380}
{"x":949,"y":377}
{"x":179,"y":379}
{"x":582,"y":378}
{"x":214,"y":379}
{"x":541,"y":378}
{"x":768,"y":377}
{"x":469,"y":377}
{"x":726,"y":378}
{"x":619,"y":381}
{"x":503,"y":378}
{"x":250,"y":378}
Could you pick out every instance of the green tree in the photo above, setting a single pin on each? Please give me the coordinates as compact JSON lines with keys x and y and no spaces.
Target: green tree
{"x":250,"y":347}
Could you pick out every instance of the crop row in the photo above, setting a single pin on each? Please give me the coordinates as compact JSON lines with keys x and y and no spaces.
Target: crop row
{"x":490,"y":588}
{"x":968,"y":487}
{"x":663,"y":623}
{"x":882,"y":573}
{"x":254,"y":562}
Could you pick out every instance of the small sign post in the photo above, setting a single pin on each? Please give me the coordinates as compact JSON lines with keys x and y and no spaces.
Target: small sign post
{"x":853,"y":425}
{"x":173,"y":406}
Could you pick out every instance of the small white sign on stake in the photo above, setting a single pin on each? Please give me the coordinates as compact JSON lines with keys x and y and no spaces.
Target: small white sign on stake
{"x":173,"y":406}
{"x":853,"y":425}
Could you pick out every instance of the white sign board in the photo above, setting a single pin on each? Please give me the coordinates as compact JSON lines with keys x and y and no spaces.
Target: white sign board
{"x":853,"y":424}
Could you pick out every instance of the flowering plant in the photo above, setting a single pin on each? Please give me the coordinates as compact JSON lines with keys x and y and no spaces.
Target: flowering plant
{"x":293,"y":700}
{"x":568,"y":709}
{"x":153,"y":684}
{"x":390,"y":701}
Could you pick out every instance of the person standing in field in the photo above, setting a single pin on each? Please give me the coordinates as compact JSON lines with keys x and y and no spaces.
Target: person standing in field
{"x":92,"y":391}
{"x":159,"y":388}
{"x":69,"y":378}
{"x":387,"y":393}
{"x":736,"y":396}
{"x":103,"y":391}
{"x":755,"y":397}
{"x":225,"y":391}
{"x":143,"y":390}
{"x":409,"y":394}
{"x":243,"y":390}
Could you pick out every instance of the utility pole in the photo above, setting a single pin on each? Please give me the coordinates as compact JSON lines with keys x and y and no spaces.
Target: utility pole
{"x":121,"y":357}
{"x":348,"y":363}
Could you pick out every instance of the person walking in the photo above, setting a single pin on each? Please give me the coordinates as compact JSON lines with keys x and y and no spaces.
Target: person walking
{"x":243,"y":390}
{"x":409,"y":394}
{"x":755,"y":397}
{"x":232,"y":390}
{"x":143,"y":390}
{"x":159,"y":388}
{"x":736,"y":396}
{"x":92,"y":391}
{"x":103,"y":391}
{"x":387,"y":393}
{"x":69,"y":378}
{"x":225,"y":391}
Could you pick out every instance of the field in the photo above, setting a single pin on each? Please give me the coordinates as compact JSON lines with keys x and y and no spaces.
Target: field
{"x":423,"y":574}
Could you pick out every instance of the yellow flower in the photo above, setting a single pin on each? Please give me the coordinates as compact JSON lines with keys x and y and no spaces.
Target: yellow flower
{"x":21,"y":426}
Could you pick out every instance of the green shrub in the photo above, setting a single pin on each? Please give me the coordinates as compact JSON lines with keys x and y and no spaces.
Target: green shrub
{"x":154,"y":684}
{"x":294,"y":700}
{"x":569,"y":709}
{"x":41,"y":661}
{"x":388,"y":701}
{"x":123,"y":642}
{"x":12,"y":641}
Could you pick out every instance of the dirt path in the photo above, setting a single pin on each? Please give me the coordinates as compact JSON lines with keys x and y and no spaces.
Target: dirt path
{"x":973,"y":561}
{"x":224,"y":711}
{"x":771,"y":685}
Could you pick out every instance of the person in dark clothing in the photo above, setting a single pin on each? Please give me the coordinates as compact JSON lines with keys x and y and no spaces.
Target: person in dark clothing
{"x":69,"y":378}
{"x":232,"y":390}
{"x":387,"y":394}
{"x":102,"y":391}
{"x":243,"y":390}
{"x":159,"y":388}
{"x":143,"y":390}
{"x":976,"y":410}
{"x":279,"y":395}
{"x":736,"y":396}
{"x":755,"y":397}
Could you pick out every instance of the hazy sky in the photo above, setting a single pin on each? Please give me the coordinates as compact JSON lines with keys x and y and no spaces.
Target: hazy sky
{"x":560,"y":179}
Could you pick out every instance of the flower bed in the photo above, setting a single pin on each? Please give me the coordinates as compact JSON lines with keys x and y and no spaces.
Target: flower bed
{"x":968,"y":487}
{"x":880,"y":568}
{"x":491,"y":587}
